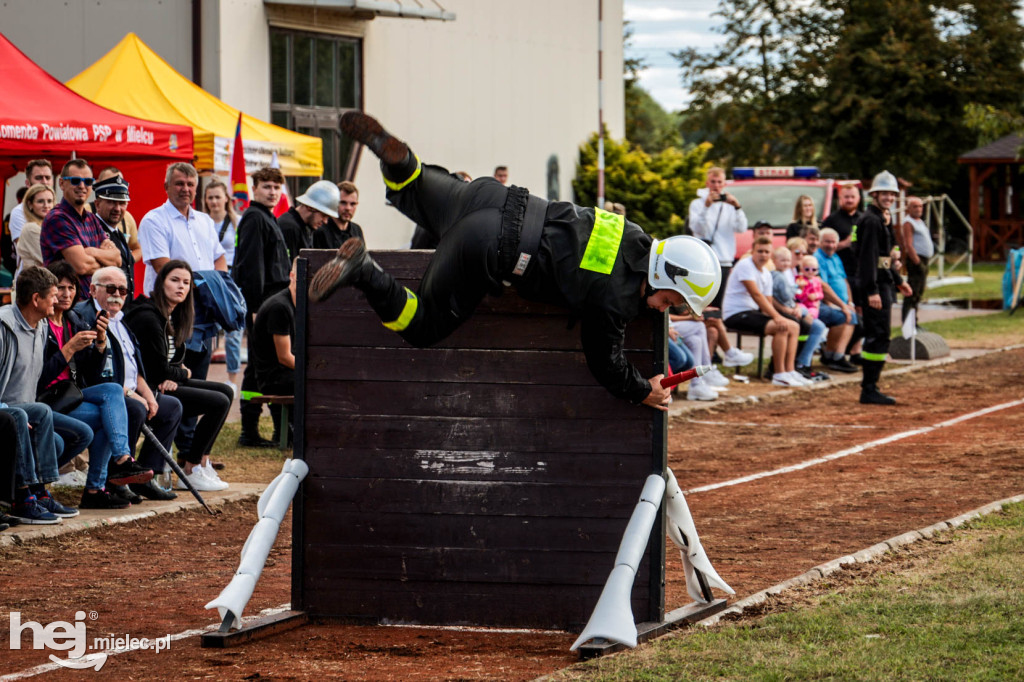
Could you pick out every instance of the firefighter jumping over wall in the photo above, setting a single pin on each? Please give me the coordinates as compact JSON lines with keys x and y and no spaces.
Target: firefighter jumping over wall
{"x":602,"y":268}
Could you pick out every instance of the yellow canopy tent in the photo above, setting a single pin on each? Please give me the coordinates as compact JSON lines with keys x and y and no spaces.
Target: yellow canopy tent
{"x":134,"y":80}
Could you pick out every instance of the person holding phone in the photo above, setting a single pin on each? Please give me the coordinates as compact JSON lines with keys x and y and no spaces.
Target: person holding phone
{"x":716,"y":217}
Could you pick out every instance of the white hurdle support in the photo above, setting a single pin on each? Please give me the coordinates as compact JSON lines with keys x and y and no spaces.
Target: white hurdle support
{"x":270,"y":509}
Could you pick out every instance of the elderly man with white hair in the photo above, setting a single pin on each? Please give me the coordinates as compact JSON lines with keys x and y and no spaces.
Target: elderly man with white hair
{"x":162,"y":413}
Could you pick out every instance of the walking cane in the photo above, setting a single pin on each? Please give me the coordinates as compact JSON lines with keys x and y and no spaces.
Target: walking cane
{"x":177,"y":469}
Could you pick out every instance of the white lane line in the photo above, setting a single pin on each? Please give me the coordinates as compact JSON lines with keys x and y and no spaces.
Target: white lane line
{"x":780,"y":424}
{"x":50,"y":667}
{"x":857,"y":448}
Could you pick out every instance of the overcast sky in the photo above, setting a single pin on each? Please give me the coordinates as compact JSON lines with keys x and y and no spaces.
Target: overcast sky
{"x":664,"y":26}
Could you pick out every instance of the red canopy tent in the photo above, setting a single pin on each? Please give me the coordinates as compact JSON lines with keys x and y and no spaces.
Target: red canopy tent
{"x":42,"y":118}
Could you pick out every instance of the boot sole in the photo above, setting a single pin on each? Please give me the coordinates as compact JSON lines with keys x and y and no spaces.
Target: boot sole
{"x":366,"y":130}
{"x":134,"y":478}
{"x":338,"y":272}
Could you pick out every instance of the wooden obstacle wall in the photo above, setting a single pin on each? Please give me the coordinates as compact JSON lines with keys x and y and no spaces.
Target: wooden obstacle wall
{"x":485,"y":481}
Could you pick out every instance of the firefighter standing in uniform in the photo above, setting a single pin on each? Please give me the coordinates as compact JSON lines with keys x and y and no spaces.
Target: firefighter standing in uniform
{"x":603,"y":268}
{"x":877,"y":276}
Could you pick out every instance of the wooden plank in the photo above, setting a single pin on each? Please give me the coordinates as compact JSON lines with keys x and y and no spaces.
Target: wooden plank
{"x":433,"y":566}
{"x":482,"y":331}
{"x":402,"y":529}
{"x":447,"y":433}
{"x":422,"y":399}
{"x":450,"y":365}
{"x":258,"y":629}
{"x":560,"y":607}
{"x":494,"y":466}
{"x":537,"y":500}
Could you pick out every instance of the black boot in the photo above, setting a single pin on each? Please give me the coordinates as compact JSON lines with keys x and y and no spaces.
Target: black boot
{"x":869,"y":393}
{"x":397,"y":162}
{"x":350,"y":267}
{"x":250,"y":436}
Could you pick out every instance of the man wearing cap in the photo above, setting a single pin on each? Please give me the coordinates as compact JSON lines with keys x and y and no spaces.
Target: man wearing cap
{"x":110,"y":206}
{"x":308,"y":215}
{"x":877,"y":274}
{"x":71,"y":233}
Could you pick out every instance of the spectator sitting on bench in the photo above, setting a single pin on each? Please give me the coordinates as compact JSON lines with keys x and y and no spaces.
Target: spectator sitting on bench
{"x":271,"y":348}
{"x":784,"y":299}
{"x":747,"y":306}
{"x":163,"y":325}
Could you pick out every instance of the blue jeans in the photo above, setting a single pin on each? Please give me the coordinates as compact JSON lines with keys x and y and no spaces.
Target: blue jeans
{"x":679,"y":356}
{"x":104,"y":412}
{"x":233,"y":351}
{"x":76,"y":434}
{"x":37,"y":461}
{"x":814,"y":338}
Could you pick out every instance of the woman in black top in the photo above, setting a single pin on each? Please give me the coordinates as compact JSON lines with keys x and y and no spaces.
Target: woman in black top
{"x":163,"y":324}
{"x":804,"y":215}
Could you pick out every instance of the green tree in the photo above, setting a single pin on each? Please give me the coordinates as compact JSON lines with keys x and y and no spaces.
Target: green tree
{"x":655,"y":189}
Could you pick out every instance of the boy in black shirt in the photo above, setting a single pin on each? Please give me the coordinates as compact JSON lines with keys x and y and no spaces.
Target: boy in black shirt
{"x":272,"y":348}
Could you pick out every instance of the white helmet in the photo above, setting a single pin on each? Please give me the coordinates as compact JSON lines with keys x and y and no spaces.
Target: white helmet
{"x":322,"y":196}
{"x":686,"y":265}
{"x":884,"y":182}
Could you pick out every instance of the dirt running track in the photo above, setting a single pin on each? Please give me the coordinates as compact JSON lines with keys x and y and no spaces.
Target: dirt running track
{"x":152,"y":578}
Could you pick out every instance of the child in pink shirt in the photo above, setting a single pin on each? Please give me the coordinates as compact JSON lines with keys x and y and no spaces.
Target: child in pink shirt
{"x":809,"y":291}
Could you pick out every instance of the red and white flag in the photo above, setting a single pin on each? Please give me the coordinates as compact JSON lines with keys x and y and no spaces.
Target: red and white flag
{"x":284,"y":203}
{"x":239,"y":184}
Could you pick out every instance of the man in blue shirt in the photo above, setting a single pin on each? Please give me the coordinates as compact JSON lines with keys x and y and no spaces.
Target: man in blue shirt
{"x":837,"y":313}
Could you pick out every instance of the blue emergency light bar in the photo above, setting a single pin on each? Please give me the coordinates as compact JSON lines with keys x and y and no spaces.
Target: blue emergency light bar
{"x":776,"y":172}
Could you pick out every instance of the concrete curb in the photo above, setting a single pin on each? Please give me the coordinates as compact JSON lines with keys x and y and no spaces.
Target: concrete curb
{"x":88,"y":520}
{"x":861,"y":557}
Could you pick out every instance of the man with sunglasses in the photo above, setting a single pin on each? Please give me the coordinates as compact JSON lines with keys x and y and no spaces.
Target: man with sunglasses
{"x":70,"y":232}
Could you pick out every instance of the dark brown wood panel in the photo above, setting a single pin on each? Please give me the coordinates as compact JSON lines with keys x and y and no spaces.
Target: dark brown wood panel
{"x":485,"y":481}
{"x":444,"y":432}
{"x":494,"y":466}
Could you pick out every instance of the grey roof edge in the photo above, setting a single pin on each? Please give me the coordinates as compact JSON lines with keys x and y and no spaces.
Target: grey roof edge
{"x":384,"y":8}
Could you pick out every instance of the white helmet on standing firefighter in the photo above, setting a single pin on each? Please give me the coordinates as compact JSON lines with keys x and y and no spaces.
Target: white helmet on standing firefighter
{"x":688,"y":266}
{"x":884,"y":182}
{"x":322,"y":196}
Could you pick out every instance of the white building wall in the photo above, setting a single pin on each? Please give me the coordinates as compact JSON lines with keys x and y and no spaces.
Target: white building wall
{"x":244,"y":56}
{"x":506,"y":83}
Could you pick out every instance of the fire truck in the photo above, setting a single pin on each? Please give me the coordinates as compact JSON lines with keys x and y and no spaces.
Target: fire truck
{"x":770,"y":193}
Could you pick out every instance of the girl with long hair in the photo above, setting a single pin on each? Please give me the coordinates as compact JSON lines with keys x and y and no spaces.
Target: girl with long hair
{"x":804,"y":215}
{"x":218,"y":204}
{"x":162,"y":323}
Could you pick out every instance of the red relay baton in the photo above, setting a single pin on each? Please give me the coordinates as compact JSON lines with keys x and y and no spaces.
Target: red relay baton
{"x":673,"y":379}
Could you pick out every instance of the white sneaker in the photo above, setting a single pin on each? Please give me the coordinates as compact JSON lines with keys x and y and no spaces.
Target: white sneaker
{"x":72,"y":479}
{"x":716,"y":379}
{"x":234,"y":389}
{"x":199,"y":481}
{"x":700,"y":391}
{"x":734,"y":357}
{"x":211,"y":474}
{"x":787,"y":379}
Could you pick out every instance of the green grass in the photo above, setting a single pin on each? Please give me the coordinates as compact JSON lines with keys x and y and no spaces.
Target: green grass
{"x":987,"y":284}
{"x":954,"y":615}
{"x":982,"y":330}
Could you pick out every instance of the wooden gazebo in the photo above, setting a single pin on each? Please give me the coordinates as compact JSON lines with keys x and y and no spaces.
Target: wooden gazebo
{"x":995,"y":196}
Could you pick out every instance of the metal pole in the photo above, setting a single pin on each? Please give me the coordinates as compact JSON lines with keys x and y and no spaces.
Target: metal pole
{"x":600,"y":104}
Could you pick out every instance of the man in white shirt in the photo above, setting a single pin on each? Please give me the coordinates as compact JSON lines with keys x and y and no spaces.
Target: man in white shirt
{"x":748,"y":307}
{"x":37,"y":172}
{"x":917,"y":251}
{"x":717,"y":217}
{"x":176,"y":230}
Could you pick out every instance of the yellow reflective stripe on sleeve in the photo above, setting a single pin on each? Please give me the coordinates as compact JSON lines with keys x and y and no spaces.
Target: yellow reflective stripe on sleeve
{"x":399,"y":185}
{"x":853,"y":234}
{"x":874,"y":357}
{"x":249,"y":395}
{"x":411,"y":303}
{"x":603,"y":245}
